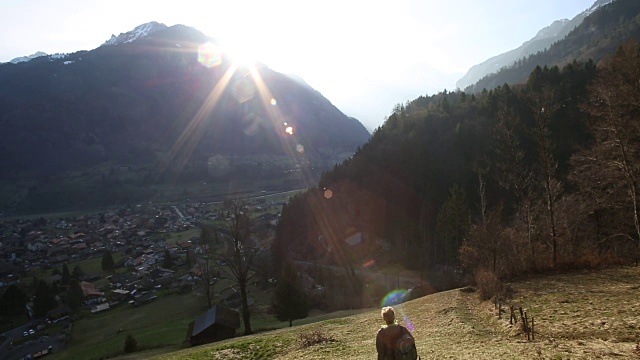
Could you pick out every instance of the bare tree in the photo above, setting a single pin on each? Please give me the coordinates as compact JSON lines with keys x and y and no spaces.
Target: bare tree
{"x":610,"y":169}
{"x":205,"y":265}
{"x":235,"y":259}
{"x":484,"y":246}
{"x":544,"y":103}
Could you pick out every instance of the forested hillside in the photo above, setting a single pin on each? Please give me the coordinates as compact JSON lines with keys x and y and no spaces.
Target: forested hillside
{"x":596,"y":37}
{"x":509,"y":181}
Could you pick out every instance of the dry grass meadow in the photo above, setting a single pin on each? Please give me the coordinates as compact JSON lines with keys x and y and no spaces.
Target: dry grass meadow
{"x":579,"y":315}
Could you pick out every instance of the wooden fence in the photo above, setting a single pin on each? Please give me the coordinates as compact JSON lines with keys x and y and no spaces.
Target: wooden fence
{"x":527,"y":323}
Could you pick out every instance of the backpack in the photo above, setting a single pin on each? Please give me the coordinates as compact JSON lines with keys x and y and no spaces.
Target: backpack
{"x":405,"y":348}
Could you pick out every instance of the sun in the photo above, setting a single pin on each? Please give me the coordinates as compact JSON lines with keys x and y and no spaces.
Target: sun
{"x":211,"y":55}
{"x":242,"y":56}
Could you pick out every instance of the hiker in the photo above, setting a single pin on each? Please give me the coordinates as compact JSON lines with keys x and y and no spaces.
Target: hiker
{"x":394,"y":341}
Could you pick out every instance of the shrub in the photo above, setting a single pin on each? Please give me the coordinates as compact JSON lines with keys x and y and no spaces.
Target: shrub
{"x":130,"y":344}
{"x":488,"y":284}
{"x":315,"y":338}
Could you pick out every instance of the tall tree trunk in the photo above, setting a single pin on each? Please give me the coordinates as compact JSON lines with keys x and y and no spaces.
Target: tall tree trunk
{"x":637,"y":221}
{"x":529,"y":222}
{"x":246,"y":313}
{"x":632,"y":184}
{"x":551,"y":214}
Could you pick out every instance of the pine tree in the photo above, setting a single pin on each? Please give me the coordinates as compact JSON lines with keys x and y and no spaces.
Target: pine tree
{"x":289,"y":300}
{"x":75,"y":297}
{"x":167,"y":262}
{"x":107,"y":261}
{"x":66,"y":277}
{"x":452,"y":224}
{"x":43,"y":300}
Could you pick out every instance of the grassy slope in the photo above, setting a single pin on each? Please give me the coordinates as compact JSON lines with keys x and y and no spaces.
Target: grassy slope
{"x":582,"y":315}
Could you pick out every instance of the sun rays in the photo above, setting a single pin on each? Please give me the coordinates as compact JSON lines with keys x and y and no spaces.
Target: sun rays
{"x":243,"y":81}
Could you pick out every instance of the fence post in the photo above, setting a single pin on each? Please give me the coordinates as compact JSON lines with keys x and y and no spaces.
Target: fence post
{"x":526,"y":326}
{"x":524,"y":322}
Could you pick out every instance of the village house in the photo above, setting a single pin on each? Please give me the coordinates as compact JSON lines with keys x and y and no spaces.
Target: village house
{"x":58,"y":314}
{"x":91,"y":294}
{"x":143,"y":299}
{"x":218,"y":323}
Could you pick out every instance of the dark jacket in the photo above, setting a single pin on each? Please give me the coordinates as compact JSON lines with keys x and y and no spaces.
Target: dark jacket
{"x":386,"y":339}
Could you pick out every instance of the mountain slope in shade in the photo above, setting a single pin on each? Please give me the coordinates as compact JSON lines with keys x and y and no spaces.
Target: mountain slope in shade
{"x":130,"y":103}
{"x":145,"y":120}
{"x":543,"y":40}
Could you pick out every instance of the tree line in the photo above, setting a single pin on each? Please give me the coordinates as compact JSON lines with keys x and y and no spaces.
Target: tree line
{"x":515,"y":180}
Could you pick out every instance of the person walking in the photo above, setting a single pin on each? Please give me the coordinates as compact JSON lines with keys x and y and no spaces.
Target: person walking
{"x":394,"y":341}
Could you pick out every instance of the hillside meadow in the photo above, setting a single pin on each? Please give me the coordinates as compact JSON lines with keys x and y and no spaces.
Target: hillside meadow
{"x":578,"y":315}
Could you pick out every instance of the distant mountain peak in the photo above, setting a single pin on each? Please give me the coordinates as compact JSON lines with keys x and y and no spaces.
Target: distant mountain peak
{"x":595,"y":6}
{"x":551,"y":30}
{"x":27,"y":58}
{"x":543,"y":40}
{"x":138,"y":32}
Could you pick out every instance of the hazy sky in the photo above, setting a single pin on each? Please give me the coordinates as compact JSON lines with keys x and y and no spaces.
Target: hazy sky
{"x":364,"y":56}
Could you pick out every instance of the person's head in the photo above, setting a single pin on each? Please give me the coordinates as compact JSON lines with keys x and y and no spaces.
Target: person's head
{"x":388,"y":314}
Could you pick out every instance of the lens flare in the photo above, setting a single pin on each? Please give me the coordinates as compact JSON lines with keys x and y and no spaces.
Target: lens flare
{"x":394,"y":297}
{"x":289,"y":130}
{"x":407,"y":321}
{"x":369,"y":263}
{"x":300,"y":148}
{"x":251,"y":124}
{"x":209,"y":55}
{"x":328,"y":194}
{"x":243,"y":89}
{"x":273,"y":102}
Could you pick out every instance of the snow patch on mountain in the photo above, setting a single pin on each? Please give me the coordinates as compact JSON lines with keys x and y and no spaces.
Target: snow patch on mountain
{"x":595,"y":7}
{"x":27,"y":58}
{"x":138,"y":32}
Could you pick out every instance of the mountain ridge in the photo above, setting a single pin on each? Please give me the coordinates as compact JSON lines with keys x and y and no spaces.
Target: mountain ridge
{"x":597,"y":37}
{"x":133,"y":104}
{"x":20,"y":59}
{"x":140,"y":31}
{"x":543,"y":39}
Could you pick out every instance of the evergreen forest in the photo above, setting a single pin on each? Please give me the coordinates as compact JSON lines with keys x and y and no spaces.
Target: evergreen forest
{"x":520,"y":179}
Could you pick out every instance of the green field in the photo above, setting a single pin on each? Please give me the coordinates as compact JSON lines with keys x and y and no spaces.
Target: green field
{"x":158,"y":327}
{"x":161,"y":323}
